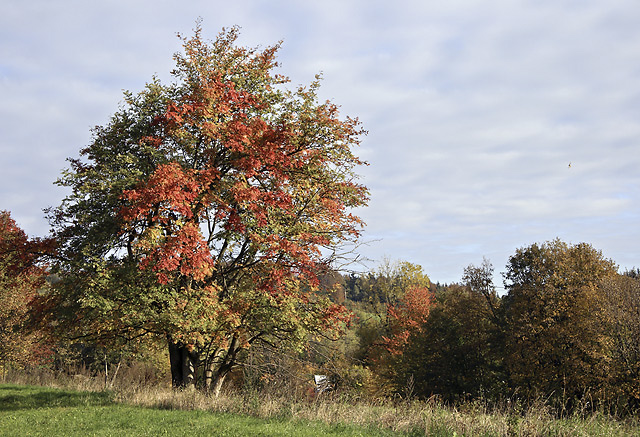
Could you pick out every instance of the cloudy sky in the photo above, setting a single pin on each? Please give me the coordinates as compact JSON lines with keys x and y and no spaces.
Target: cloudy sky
{"x":492,"y":124}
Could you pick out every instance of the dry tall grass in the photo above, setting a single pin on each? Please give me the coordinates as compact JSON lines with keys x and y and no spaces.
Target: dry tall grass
{"x":413,"y":417}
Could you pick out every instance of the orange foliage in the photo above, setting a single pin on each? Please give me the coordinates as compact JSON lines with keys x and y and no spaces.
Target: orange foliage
{"x":408,"y":317}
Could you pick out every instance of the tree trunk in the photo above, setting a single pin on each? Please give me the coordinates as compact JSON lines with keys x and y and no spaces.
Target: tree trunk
{"x":218,"y":366}
{"x":183,"y":362}
{"x":217,"y":386}
{"x":215,"y":374}
{"x":115,"y":373}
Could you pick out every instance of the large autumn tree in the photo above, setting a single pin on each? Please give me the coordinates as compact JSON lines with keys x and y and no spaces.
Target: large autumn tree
{"x":205,"y":210}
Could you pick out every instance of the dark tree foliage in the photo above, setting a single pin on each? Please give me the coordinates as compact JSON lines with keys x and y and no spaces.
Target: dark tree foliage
{"x":556,"y":340}
{"x":457,"y":354}
{"x":622,"y":321}
{"x":633,"y":273}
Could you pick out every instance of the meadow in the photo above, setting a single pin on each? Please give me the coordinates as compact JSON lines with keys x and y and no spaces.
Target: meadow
{"x":80,"y":407}
{"x":42,"y":411}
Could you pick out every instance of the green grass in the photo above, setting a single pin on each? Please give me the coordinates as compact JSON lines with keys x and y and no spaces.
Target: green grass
{"x":27,"y":410}
{"x":40,"y":411}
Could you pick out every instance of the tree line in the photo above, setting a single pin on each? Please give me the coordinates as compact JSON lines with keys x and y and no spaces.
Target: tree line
{"x":566,"y":330}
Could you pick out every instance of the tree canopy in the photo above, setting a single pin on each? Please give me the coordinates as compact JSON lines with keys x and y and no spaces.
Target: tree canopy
{"x":556,"y":344}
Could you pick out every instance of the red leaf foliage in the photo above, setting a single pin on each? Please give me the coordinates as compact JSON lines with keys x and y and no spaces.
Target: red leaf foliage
{"x":21,"y":276}
{"x":408,"y":317}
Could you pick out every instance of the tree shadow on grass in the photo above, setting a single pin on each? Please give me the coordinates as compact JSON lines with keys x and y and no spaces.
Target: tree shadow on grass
{"x":28,"y":397}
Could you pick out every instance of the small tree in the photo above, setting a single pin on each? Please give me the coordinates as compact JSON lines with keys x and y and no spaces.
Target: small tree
{"x":21,"y":277}
{"x":382,"y":295}
{"x":480,"y":282}
{"x":206,"y":209}
{"x":407,"y":318}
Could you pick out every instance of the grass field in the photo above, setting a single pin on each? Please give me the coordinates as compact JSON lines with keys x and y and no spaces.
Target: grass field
{"x":27,"y":410}
{"x":39,"y":411}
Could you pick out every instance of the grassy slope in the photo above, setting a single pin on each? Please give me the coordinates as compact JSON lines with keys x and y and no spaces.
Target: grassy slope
{"x":38,"y":411}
